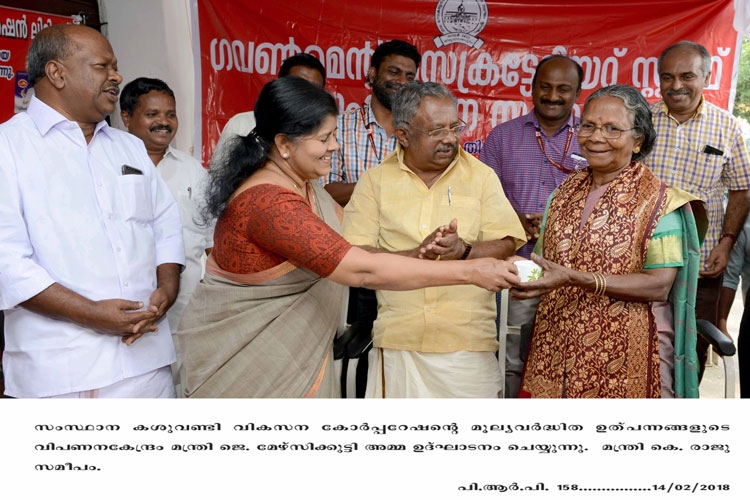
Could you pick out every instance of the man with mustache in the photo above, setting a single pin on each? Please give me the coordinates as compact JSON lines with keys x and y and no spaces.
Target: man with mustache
{"x":92,"y":239}
{"x":532,"y":155}
{"x":366,"y":134}
{"x":440,"y":341}
{"x":149,"y":111}
{"x":699,"y":148}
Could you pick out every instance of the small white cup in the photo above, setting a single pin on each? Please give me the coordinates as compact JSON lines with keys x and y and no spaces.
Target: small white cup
{"x":528,"y":270}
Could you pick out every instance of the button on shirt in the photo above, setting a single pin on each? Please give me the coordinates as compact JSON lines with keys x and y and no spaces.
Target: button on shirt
{"x":678,"y":159}
{"x":391,"y":208}
{"x":526,"y":174}
{"x":68,"y":215}
{"x":187,"y":180}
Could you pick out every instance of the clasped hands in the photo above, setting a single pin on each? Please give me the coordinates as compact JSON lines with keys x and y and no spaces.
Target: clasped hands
{"x":443,"y":243}
{"x":123,"y":317}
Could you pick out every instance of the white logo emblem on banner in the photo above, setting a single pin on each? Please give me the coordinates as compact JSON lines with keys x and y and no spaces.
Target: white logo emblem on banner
{"x":460,"y":21}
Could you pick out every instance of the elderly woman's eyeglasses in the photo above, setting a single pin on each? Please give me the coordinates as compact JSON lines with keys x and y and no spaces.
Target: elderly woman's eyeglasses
{"x":608,"y":131}
{"x":442,"y":133}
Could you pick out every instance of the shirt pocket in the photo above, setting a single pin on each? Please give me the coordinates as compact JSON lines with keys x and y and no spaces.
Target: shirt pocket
{"x":135,"y":194}
{"x":702,"y":171}
{"x":466,"y":210}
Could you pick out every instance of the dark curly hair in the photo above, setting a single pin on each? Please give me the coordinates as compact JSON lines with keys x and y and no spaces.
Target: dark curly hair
{"x":397,"y":47}
{"x":138,"y":87}
{"x":305,"y":60}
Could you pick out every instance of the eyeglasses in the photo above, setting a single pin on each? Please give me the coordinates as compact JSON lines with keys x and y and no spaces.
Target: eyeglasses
{"x":608,"y":131}
{"x":442,"y":133}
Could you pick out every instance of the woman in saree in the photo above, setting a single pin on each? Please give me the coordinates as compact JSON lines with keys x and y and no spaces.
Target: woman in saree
{"x":620,"y":258}
{"x":263,"y":320}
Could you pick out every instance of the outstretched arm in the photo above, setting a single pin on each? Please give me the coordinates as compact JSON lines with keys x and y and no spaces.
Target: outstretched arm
{"x":384,"y":271}
{"x":650,"y":285}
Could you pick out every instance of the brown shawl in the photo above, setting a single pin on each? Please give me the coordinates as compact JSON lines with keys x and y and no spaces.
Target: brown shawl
{"x":585,"y":345}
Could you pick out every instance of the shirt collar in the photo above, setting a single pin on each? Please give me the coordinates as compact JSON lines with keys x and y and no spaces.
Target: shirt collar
{"x":369,"y":115}
{"x":662,"y":108}
{"x":170,"y":152}
{"x":45,"y":117}
{"x":399,"y":152}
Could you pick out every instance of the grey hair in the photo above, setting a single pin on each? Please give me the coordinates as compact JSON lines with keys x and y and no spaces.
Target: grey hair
{"x":640,"y":113}
{"x":410,"y":96}
{"x":51,"y":43}
{"x":695,"y":47}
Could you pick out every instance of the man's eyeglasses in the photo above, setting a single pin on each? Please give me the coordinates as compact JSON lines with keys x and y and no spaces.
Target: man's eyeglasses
{"x":608,"y":131}
{"x":442,"y":133}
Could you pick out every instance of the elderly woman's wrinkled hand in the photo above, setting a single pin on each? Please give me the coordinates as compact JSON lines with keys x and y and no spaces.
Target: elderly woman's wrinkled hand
{"x":554,"y":277}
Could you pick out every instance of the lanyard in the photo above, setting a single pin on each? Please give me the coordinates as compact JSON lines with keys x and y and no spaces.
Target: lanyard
{"x":369,"y":130}
{"x":557,"y":165}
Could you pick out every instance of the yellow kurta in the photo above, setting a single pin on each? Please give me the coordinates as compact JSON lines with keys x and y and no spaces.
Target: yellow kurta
{"x":392,"y":209}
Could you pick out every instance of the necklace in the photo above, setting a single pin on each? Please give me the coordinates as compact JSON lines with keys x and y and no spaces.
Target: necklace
{"x":286,"y":175}
{"x":296,"y":186}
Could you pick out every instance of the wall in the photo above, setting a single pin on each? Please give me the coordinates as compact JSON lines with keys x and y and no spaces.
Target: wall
{"x":152,"y":38}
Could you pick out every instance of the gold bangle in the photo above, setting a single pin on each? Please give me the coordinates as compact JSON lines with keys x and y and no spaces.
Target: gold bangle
{"x":601,"y":284}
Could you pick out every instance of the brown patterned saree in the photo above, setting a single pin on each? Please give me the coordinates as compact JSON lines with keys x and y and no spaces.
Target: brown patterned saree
{"x":585,"y":345}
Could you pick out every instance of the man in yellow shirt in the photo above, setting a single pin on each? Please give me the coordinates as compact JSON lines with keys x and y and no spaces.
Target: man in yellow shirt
{"x":441,"y":341}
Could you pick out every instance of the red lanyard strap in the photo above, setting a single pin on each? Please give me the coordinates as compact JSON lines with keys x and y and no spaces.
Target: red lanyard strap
{"x":369,"y":130}
{"x":557,"y":165}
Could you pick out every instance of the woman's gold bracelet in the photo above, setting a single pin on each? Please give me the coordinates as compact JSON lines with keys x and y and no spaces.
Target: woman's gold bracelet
{"x":600,"y":282}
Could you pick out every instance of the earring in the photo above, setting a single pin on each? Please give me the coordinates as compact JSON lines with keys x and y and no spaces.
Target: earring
{"x":637,"y":149}
{"x":285,"y":155}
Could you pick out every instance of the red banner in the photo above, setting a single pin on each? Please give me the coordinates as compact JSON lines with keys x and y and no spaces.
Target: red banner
{"x":17,"y":29}
{"x":485,"y":51}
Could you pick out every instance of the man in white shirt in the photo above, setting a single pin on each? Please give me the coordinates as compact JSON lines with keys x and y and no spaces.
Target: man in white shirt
{"x":149,"y":111}
{"x":92,"y":240}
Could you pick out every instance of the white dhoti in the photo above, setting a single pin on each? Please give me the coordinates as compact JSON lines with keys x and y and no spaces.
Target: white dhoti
{"x":154,"y":384}
{"x":410,"y":374}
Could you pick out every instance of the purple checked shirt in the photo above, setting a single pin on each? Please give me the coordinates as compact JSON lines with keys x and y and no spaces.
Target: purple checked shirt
{"x":526,"y":174}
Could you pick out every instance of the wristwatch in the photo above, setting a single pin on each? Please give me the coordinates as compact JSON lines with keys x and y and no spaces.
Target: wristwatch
{"x":467,"y":251}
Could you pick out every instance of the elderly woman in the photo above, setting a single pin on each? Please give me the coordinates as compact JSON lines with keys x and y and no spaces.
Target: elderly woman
{"x":262,"y":322}
{"x":617,"y":244}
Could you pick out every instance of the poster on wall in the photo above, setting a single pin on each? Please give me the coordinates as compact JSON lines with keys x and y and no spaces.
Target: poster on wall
{"x":485,"y":51}
{"x":17,"y":28}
